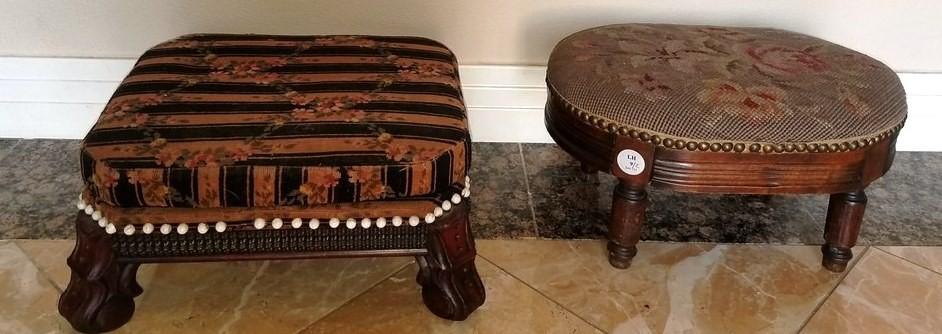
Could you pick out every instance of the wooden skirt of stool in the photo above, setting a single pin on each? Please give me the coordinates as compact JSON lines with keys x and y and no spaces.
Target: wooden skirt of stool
{"x":844,"y":174}
{"x":100,"y":294}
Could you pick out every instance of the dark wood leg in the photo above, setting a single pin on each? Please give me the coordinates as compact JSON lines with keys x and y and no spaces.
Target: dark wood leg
{"x":845,"y":213}
{"x":100,"y":295}
{"x":451,"y":287}
{"x":624,"y":230}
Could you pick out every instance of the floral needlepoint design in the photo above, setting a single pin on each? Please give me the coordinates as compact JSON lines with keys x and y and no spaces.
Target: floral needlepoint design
{"x":752,"y":103}
{"x":779,"y":60}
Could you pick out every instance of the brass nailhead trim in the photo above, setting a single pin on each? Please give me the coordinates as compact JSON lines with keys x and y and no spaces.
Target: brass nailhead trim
{"x":677,"y":143}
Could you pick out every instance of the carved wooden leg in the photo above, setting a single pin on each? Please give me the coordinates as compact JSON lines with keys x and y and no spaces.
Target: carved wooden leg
{"x":624,"y":230}
{"x":100,"y":295}
{"x":845,"y":213}
{"x":451,"y":287}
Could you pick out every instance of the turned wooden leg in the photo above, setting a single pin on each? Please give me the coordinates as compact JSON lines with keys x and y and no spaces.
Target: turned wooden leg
{"x":624,"y":230}
{"x":451,"y":287}
{"x":845,"y":213}
{"x":100,"y":295}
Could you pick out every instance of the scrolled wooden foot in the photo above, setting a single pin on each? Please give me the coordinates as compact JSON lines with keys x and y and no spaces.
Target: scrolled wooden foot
{"x":624,"y":231}
{"x":845,"y":214}
{"x":451,"y":287}
{"x":100,"y":295}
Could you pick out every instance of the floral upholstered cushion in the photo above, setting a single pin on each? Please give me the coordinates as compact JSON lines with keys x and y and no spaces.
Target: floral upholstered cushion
{"x":280,"y":123}
{"x":726,"y":87}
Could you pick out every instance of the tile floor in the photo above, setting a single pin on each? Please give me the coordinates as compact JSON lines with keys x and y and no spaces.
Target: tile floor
{"x":533,"y":286}
{"x":770,"y":283}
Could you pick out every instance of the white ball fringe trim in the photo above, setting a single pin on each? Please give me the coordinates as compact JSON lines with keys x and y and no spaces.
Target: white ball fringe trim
{"x":277,"y":223}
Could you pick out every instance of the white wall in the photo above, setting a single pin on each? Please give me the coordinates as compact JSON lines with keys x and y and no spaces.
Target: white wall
{"x":60,"y":98}
{"x":905,"y":34}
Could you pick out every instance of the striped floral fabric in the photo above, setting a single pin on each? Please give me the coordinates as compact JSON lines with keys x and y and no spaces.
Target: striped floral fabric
{"x":227,"y":121}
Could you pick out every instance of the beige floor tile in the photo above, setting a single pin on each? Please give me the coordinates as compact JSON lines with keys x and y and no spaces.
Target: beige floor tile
{"x":27,"y":299}
{"x":674,"y":287}
{"x":929,"y":257}
{"x":395,"y":306}
{"x":882,"y":294}
{"x":50,"y":256}
{"x":251,"y":297}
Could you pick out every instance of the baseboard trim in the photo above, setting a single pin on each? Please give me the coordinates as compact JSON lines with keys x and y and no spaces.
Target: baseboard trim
{"x":62,"y":97}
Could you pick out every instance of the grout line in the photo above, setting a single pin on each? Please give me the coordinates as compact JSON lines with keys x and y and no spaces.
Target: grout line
{"x":526,"y":182}
{"x":840,"y":281}
{"x":910,"y":261}
{"x":505,"y":271}
{"x":42,"y":272}
{"x":348,"y":301}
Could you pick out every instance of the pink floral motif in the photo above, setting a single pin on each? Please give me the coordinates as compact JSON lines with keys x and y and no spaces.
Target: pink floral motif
{"x":677,"y":54}
{"x":853,"y":103}
{"x":369,"y":180}
{"x":752,"y":103}
{"x":414,"y":70}
{"x":781,"y":60}
{"x":168,"y":156}
{"x":123,"y":107}
{"x":227,"y":69}
{"x":644,"y":85}
{"x":106,"y":177}
{"x":317,"y":187}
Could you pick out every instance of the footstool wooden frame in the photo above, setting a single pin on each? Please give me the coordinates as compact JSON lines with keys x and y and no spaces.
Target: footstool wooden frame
{"x":639,"y":157}
{"x":262,"y":147}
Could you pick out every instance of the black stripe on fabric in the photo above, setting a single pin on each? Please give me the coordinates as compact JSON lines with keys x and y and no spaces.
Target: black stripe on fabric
{"x":221,"y":187}
{"x":396,"y":179}
{"x":87,"y":165}
{"x":250,"y":189}
{"x":344,"y":191}
{"x":194,"y":107}
{"x":316,"y":68}
{"x":302,"y":38}
{"x":306,"y":159}
{"x":441,"y":176}
{"x":273,"y":50}
{"x":124,"y":193}
{"x":287,"y":131}
{"x":181,"y":181}
{"x":289,"y":182}
{"x":237,"y":182}
{"x":156,"y":87}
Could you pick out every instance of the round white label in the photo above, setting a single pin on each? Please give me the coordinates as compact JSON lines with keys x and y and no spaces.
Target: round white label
{"x":630,"y":162}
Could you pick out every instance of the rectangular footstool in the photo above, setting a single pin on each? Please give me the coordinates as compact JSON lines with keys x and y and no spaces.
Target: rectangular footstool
{"x":246,"y":147}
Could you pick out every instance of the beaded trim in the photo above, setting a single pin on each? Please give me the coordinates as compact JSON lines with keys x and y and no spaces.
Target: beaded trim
{"x":278,"y":223}
{"x":690,"y":144}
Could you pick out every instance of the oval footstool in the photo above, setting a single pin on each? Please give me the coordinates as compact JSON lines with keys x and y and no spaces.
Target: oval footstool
{"x":707,"y":109}
{"x":251,"y":147}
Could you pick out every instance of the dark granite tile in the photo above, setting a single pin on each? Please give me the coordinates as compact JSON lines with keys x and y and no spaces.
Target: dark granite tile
{"x":902,"y":208}
{"x":6,"y":145}
{"x":499,"y":203}
{"x":562,"y":196}
{"x":39,"y":181}
{"x":905,"y":205}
